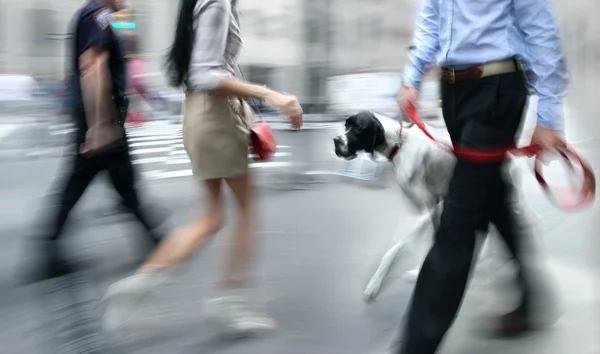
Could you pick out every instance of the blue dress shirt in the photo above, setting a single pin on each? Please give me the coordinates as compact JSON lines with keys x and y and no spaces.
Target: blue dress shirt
{"x":461,"y":33}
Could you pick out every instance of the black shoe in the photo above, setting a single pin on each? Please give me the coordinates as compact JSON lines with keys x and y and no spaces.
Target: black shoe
{"x":44,"y":264}
{"x":43,"y":271}
{"x":512,"y":324}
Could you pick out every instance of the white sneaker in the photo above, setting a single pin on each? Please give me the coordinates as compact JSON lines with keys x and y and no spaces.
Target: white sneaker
{"x":237,"y":316}
{"x":124,"y":296}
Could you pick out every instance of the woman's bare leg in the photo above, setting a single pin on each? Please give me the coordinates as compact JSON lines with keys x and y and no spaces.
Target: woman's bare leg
{"x":184,"y":241}
{"x":232,"y":308}
{"x":180,"y":245}
{"x":177,"y":247}
{"x":237,"y":260}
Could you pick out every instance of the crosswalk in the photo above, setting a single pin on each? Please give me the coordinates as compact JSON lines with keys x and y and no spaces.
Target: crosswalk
{"x":157,"y":148}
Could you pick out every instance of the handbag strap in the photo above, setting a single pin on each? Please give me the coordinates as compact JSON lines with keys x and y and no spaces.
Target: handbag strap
{"x":243,"y":77}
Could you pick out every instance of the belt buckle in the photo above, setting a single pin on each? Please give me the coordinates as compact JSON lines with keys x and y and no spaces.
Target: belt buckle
{"x":452,"y":76}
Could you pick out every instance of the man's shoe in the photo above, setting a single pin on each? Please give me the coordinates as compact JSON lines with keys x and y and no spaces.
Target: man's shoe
{"x":39,"y":271}
{"x":545,"y":312}
{"x":512,"y":324}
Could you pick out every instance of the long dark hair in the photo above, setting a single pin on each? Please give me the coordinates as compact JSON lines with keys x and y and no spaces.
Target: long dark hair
{"x":180,"y":53}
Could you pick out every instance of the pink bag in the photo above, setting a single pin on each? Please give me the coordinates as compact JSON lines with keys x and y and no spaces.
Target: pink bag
{"x":137,"y":83}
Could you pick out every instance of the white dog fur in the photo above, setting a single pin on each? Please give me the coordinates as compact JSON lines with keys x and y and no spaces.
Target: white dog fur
{"x":423,"y":172}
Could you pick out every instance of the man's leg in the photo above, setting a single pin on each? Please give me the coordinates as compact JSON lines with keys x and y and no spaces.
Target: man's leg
{"x":48,"y":260}
{"x":80,"y":178}
{"x":515,"y":234}
{"x":482,"y":114}
{"x":443,"y":278}
{"x":122,"y":176}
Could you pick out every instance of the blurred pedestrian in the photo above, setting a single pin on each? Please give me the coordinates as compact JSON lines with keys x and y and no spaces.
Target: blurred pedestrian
{"x":137,"y":84}
{"x":484,"y":92}
{"x":203,"y":59}
{"x":98,"y":106}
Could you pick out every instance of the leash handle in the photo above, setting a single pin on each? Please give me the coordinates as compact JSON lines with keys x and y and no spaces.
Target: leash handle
{"x":569,"y":198}
{"x":565,"y":198}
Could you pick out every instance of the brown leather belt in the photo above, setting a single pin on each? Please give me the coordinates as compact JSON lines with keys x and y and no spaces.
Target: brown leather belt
{"x":452,"y":75}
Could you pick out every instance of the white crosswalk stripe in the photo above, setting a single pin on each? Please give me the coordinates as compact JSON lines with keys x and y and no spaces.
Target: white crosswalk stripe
{"x":157,"y":148}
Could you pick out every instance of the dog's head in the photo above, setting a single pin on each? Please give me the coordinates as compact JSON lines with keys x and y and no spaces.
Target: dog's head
{"x":364,"y":132}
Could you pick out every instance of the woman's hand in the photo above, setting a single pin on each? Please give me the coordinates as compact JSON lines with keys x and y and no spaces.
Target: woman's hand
{"x":287,"y":104}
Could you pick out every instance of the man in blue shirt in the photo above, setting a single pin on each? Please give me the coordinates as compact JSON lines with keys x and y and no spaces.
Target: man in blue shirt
{"x":479,"y":45}
{"x":99,"y":107}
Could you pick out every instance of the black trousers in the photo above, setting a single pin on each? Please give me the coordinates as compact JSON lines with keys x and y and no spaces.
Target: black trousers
{"x":482,"y":113}
{"x":121,"y":173}
{"x":75,"y":325}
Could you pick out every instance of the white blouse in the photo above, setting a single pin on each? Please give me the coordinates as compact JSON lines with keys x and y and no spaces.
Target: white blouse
{"x":217,"y":44}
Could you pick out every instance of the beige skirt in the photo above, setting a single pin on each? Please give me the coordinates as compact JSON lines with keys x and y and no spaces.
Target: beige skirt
{"x":216,"y":135}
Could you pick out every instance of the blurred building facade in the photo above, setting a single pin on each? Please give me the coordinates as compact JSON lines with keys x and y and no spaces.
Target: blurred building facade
{"x":351,"y":36}
{"x":580,"y":33}
{"x":292,"y":45}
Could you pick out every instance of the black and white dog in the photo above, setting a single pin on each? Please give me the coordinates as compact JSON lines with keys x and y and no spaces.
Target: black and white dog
{"x":422,"y":170}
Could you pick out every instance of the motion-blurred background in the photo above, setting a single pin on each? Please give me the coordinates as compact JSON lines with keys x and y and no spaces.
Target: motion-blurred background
{"x":337,"y":57}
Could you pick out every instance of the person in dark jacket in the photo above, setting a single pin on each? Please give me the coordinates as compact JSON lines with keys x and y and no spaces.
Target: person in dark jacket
{"x":98,"y":107}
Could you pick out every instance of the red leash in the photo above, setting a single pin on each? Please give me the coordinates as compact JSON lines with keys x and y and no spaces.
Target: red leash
{"x":566,"y":198}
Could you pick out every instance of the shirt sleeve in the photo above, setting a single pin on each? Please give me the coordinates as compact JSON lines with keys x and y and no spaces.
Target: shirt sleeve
{"x":425,"y":45}
{"x":94,"y":31}
{"x":536,"y":22}
{"x":207,"y":66}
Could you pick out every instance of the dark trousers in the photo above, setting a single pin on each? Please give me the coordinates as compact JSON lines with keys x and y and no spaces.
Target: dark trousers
{"x":75,"y":325}
{"x":482,"y":113}
{"x":120,"y":171}
{"x":117,"y":164}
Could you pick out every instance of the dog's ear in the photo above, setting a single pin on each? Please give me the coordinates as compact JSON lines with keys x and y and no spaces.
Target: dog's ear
{"x":350,"y":121}
{"x":379,"y":134}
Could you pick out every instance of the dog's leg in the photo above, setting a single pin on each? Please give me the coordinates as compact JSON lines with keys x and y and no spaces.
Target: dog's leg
{"x":376,"y":282}
{"x":435,"y":213}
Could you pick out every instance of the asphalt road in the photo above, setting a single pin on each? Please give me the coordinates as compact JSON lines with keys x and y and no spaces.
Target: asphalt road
{"x":318,"y":247}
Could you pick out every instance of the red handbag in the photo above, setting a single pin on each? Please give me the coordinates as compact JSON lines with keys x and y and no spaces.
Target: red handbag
{"x":262,"y":140}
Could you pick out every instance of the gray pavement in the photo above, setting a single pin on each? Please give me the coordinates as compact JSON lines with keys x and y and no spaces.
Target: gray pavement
{"x":317,"y":250}
{"x":311,"y":278}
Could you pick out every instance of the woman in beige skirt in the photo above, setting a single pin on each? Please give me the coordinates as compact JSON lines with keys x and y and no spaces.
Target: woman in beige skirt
{"x":216,"y":136}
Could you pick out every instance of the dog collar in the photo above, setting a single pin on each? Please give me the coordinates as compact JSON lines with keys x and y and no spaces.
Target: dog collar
{"x":393,"y":152}
{"x":396,"y":147}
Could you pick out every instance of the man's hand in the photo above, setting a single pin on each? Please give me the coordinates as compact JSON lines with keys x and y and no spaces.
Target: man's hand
{"x":100,"y":138}
{"x":548,"y":140}
{"x":407,"y":96}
